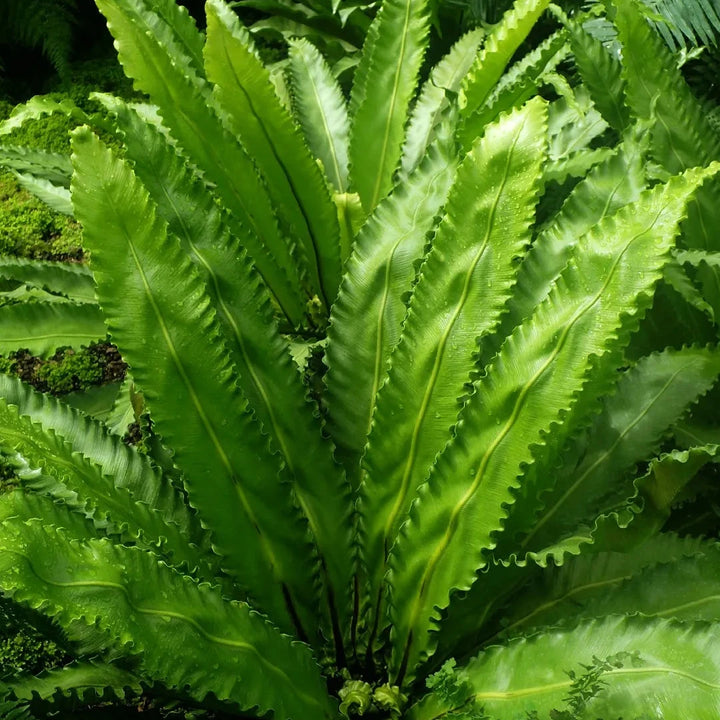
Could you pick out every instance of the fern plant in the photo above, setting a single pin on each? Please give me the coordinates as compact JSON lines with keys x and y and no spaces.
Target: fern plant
{"x":462,"y":517}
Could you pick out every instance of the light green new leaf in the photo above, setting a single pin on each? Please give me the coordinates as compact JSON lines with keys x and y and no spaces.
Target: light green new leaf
{"x":530,"y":385}
{"x":391,"y":62}
{"x":497,"y":52}
{"x":56,"y":197}
{"x":444,"y":82}
{"x":367,"y":317}
{"x":254,"y":113}
{"x":671,"y":666}
{"x":53,"y":167}
{"x":149,"y":289}
{"x":519,"y":83}
{"x":463,"y":286}
{"x":183,"y":633}
{"x":321,"y":110}
{"x":42,"y":327}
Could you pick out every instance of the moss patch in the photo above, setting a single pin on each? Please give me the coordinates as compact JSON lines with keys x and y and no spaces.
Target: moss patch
{"x":68,"y":370}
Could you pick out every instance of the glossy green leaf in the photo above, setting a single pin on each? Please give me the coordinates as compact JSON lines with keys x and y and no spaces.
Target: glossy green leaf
{"x":378,"y":121}
{"x":673,"y":667}
{"x":148,"y":288}
{"x":442,"y":85}
{"x":71,"y":280}
{"x":185,"y":103}
{"x":42,"y":327}
{"x":256,"y":116}
{"x":367,"y":317}
{"x":463,"y":285}
{"x":497,"y":52}
{"x":528,"y":387}
{"x":321,"y":110}
{"x":184,"y":634}
{"x":267,"y":376}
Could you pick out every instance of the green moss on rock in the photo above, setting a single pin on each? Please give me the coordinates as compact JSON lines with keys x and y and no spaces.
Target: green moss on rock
{"x":68,"y":370}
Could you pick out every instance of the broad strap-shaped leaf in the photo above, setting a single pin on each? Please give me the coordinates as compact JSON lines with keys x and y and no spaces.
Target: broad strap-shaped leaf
{"x":460,"y":294}
{"x":610,"y":185}
{"x":367,"y":317}
{"x":321,"y":110}
{"x":159,"y":312}
{"x":519,"y":83}
{"x":69,"y":279}
{"x":55,"y":197}
{"x":84,"y":683}
{"x":53,"y":468}
{"x":42,"y":327}
{"x":444,"y":82}
{"x":185,"y":102}
{"x":53,"y":167}
{"x":671,"y":667}
{"x":254,"y":113}
{"x":38,"y":107}
{"x":601,"y":73}
{"x":185,"y":635}
{"x":491,"y":62}
{"x":559,"y":595}
{"x":530,"y":385}
{"x":649,"y":398}
{"x":267,"y":375}
{"x":392,"y":62}
{"x":128,"y":468}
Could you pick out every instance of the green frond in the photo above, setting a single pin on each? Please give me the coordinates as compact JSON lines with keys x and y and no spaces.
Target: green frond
{"x":500,"y":46}
{"x":462,"y":288}
{"x":183,"y":634}
{"x":128,"y":469}
{"x":186,"y":105}
{"x":267,"y":376}
{"x":87,"y":683}
{"x":51,"y":467}
{"x":391,"y":63}
{"x":189,"y":383}
{"x":55,"y":197}
{"x":367,"y":317}
{"x":435,"y":96}
{"x":519,"y":83}
{"x":659,"y":389}
{"x":42,"y":327}
{"x":254,"y":113}
{"x":643,"y":661}
{"x":601,"y":72}
{"x":530,"y":385}
{"x":72,"y":281}
{"x":52,"y":167}
{"x":321,"y":110}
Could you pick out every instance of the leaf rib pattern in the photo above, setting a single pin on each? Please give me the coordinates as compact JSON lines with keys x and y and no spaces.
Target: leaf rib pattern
{"x":267,"y":376}
{"x":184,"y":634}
{"x":186,"y":104}
{"x":532,"y":383}
{"x":667,"y":665}
{"x":501,"y":45}
{"x":396,"y":51}
{"x":321,"y":110}
{"x":444,"y":82}
{"x":367,"y":317}
{"x":258,"y":118}
{"x":42,"y":327}
{"x":463,"y":286}
{"x":149,"y":289}
{"x":649,"y":399}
